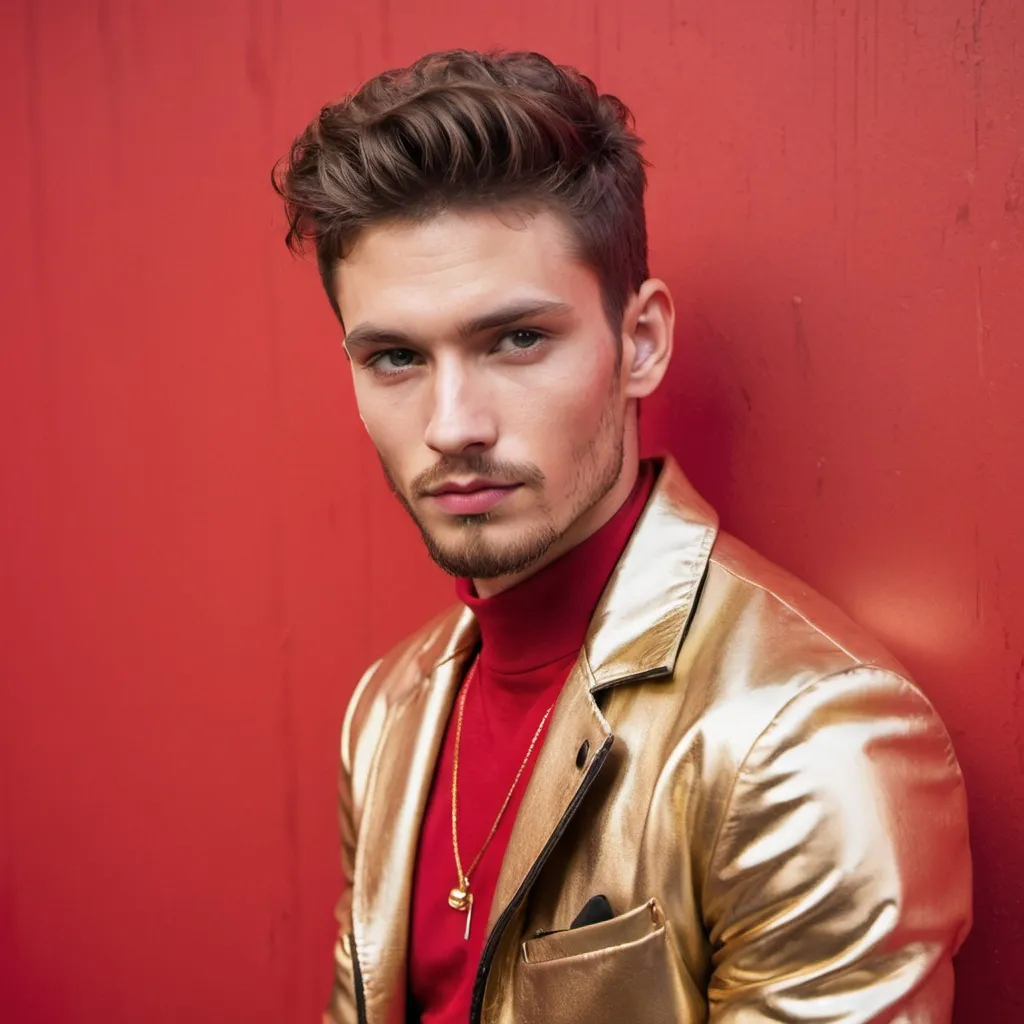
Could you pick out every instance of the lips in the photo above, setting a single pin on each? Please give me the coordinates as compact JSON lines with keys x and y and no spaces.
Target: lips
{"x":475,"y":498}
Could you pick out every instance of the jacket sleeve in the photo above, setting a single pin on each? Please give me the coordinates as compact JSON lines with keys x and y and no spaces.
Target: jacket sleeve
{"x":343,"y":1007}
{"x":839,"y":885}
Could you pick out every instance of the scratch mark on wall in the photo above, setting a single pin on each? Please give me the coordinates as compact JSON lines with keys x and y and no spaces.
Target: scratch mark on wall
{"x":878,"y":51}
{"x":981,"y":332}
{"x":39,"y":197}
{"x":905,"y":21}
{"x":977,"y":573}
{"x":977,"y":60}
{"x":803,"y":349}
{"x":384,"y":9}
{"x":1016,"y":704}
{"x":856,"y":75}
{"x":262,"y":44}
{"x":1015,"y":185}
{"x":835,"y":114}
{"x":112,"y":50}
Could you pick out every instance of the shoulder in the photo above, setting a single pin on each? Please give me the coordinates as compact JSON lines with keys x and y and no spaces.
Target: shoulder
{"x":796,"y":613}
{"x":807,"y":719}
{"x":772,"y":663}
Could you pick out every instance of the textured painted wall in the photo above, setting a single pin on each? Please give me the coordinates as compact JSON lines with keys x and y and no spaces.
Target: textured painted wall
{"x":198,"y":553}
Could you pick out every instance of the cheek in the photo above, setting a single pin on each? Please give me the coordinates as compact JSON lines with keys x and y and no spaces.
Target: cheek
{"x":383,"y":424}
{"x":574,"y":403}
{"x":561,"y":416}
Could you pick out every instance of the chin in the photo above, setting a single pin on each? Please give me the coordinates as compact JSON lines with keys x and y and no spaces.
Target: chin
{"x":487,"y":550}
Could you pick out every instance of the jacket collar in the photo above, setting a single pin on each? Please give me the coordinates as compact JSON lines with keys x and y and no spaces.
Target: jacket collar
{"x":641,"y":620}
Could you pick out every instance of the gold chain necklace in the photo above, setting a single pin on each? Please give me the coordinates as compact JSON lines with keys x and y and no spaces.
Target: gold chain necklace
{"x":460,"y":898}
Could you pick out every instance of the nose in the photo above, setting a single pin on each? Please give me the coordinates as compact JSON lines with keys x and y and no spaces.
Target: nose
{"x":462,"y":419}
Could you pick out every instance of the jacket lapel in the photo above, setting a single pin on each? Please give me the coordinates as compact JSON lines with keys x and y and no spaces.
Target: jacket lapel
{"x":576,"y":744}
{"x":404,"y":763}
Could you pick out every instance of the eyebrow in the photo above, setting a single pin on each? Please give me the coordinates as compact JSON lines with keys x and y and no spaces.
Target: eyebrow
{"x":367,"y":334}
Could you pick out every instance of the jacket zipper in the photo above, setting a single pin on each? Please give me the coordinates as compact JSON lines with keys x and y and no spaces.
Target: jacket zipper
{"x":357,"y":981}
{"x":476,"y":1007}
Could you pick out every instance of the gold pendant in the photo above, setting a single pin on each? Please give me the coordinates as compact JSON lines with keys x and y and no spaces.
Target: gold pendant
{"x":462,"y":899}
{"x":458,"y":899}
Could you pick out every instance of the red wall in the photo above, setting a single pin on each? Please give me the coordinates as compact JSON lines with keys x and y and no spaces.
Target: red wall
{"x":199,"y":554}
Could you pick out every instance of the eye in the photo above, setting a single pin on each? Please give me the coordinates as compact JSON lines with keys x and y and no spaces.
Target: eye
{"x":522,"y":339}
{"x":392,"y":360}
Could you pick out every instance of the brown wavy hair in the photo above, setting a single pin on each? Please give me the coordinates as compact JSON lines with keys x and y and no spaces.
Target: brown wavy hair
{"x":466,"y":129}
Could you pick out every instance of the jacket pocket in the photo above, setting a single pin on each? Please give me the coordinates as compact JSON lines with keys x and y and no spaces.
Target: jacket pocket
{"x":629,"y":927}
{"x":624,"y":969}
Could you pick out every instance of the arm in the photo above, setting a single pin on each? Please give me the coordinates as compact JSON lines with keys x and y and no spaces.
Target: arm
{"x":839,"y":885}
{"x":343,"y":1006}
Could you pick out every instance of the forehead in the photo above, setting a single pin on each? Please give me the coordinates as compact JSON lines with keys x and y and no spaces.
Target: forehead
{"x":458,"y":261}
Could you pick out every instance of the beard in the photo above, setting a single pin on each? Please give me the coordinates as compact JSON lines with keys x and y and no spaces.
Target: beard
{"x":476,"y":554}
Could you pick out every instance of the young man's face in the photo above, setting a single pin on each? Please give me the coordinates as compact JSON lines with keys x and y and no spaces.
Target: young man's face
{"x":490,"y":382}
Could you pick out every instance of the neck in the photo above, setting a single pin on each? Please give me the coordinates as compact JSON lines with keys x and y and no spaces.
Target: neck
{"x":586,"y":525}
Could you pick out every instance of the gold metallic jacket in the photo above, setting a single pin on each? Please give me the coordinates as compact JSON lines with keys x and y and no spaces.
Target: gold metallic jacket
{"x":773,"y":810}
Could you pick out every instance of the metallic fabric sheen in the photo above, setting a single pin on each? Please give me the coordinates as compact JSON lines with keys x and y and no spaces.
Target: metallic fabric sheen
{"x":772,"y":808}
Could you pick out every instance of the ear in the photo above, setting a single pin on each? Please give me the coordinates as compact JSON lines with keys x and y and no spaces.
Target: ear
{"x":648,"y":324}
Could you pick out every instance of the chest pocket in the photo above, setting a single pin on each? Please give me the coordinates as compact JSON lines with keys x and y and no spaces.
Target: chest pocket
{"x":623,"y":969}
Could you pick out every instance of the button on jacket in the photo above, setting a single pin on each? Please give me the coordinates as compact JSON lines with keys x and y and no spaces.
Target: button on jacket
{"x":772,"y":809}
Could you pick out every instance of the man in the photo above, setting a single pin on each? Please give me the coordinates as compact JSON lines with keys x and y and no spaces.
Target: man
{"x":639,"y":773}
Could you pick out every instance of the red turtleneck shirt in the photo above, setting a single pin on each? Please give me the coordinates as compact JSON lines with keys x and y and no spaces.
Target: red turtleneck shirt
{"x":530,"y":637}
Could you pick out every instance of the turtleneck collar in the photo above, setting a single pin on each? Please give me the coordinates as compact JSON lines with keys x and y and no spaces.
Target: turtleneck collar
{"x":545,"y":617}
